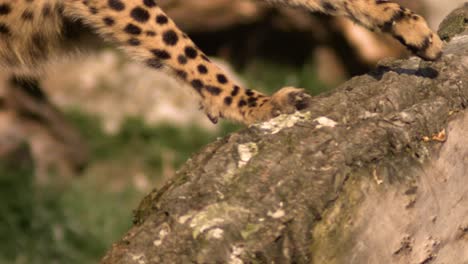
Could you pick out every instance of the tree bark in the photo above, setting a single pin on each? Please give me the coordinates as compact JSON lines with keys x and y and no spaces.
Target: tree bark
{"x":373,"y":172}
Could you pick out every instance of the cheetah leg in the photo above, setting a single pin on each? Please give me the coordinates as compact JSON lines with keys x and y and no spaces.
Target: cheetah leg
{"x":404,"y":25}
{"x":144,"y":31}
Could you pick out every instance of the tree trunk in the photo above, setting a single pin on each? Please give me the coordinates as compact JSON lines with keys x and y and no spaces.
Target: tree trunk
{"x":374,"y":172}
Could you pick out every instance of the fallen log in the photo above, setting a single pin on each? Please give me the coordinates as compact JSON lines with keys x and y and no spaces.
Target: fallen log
{"x":373,"y":172}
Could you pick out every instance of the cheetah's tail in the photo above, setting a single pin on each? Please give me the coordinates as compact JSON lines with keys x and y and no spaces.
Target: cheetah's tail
{"x":407,"y":27}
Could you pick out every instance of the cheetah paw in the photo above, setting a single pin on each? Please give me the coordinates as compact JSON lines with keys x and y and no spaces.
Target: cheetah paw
{"x":288,"y":100}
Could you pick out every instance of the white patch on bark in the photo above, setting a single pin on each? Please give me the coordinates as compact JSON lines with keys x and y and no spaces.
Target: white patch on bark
{"x":211,"y":218}
{"x":246,"y":152}
{"x":324,"y":121}
{"x":216,"y":233}
{"x":281,"y":122}
{"x":138,"y":258}
{"x":184,"y":218}
{"x":162,"y":234}
{"x":376,"y":177}
{"x":202,"y":224}
{"x":234,"y":257}
{"x":277,"y":214}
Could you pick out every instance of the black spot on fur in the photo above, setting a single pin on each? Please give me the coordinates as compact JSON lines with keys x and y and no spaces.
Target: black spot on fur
{"x":170,"y":37}
{"x":154,"y":63}
{"x":202,"y":69}
{"x":221,"y":78}
{"x":388,"y":25}
{"x":191,"y":52}
{"x":5,"y":9}
{"x":117,"y":5}
{"x":228,"y":100}
{"x":182,"y":59}
{"x":197,"y":85}
{"x":161,"y":54}
{"x":93,"y":10}
{"x":424,"y":45}
{"x":416,"y":49}
{"x":249,"y":92}
{"x":134,"y":42}
{"x":4,"y":29}
{"x":108,"y":21}
{"x":242,"y":103}
{"x":235,"y":91}
{"x":132,"y":29}
{"x":252,"y":102}
{"x":214,"y":90}
{"x":182,"y":74}
{"x":162,"y":19}
{"x":140,"y":14}
{"x":149,"y":3}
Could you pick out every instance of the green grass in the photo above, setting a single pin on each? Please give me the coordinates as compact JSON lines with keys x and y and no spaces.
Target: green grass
{"x":77,"y":222}
{"x":59,"y":224}
{"x":51,"y":225}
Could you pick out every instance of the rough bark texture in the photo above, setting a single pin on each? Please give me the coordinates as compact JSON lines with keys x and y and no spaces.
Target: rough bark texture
{"x":374,"y":172}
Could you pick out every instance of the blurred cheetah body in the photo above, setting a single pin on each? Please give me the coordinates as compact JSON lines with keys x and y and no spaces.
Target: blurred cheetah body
{"x":33,"y":31}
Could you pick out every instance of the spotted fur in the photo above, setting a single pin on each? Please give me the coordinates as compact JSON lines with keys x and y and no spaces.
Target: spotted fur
{"x":31,"y":31}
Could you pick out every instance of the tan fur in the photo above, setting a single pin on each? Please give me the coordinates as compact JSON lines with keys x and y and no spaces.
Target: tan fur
{"x":29,"y":41}
{"x":142,"y":29}
{"x":382,"y":15}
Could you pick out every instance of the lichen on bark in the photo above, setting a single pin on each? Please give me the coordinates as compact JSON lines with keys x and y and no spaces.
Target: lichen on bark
{"x":454,"y":24}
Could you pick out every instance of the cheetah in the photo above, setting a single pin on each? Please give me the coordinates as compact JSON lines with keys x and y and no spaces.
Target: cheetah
{"x":34,"y":31}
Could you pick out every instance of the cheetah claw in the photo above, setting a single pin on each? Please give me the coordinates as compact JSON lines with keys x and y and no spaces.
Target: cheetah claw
{"x":213,"y":119}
